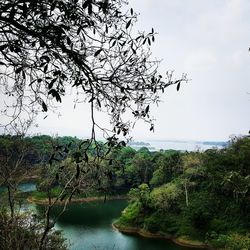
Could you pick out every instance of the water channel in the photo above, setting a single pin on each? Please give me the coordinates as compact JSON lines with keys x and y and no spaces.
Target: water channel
{"x":88,"y":226}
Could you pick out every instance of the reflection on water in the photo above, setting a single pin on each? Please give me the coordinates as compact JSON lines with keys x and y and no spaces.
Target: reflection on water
{"x":88,"y":226}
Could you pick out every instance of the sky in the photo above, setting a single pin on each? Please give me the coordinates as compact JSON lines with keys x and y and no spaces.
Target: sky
{"x":209,"y":41}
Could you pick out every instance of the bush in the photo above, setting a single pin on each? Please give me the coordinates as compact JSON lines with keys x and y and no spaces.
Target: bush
{"x":231,"y":242}
{"x":153,"y":223}
{"x":218,"y":225}
{"x":130,"y":215}
{"x":238,"y":242}
{"x":25,"y":232}
{"x":217,"y":241}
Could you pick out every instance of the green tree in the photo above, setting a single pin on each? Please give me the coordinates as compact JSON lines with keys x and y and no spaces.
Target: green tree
{"x":166,"y":196}
{"x":167,"y":166}
{"x":142,"y":167}
{"x":141,"y":195}
{"x":192,"y":170}
{"x":50,"y":47}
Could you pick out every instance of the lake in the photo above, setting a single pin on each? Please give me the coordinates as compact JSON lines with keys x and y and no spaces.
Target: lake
{"x":156,"y":145}
{"x":88,"y":226}
{"x":22,"y":187}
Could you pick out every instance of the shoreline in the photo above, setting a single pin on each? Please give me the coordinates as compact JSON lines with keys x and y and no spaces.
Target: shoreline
{"x":177,"y":240}
{"x":128,"y":229}
{"x":76,"y":200}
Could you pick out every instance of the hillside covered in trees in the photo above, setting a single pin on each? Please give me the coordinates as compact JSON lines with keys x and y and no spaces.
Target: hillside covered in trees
{"x":198,"y":195}
{"x":201,"y":196}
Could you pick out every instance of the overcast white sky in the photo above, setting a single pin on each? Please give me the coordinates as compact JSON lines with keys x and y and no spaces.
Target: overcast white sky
{"x":209,"y":41}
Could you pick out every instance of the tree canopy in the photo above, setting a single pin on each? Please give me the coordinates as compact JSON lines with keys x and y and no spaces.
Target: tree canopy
{"x":50,"y":46}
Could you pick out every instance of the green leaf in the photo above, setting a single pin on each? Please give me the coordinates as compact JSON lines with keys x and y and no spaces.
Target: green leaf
{"x":113,"y":44}
{"x":51,"y":83}
{"x":128,"y":24}
{"x":149,"y":42}
{"x":90,"y":9}
{"x":120,"y":36}
{"x":45,"y":108}
{"x":45,"y":68}
{"x":68,"y":40}
{"x":55,"y":94}
{"x":98,"y":52}
{"x":178,"y":86}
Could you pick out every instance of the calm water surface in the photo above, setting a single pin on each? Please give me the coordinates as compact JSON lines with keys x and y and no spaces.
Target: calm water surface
{"x":182,"y":145}
{"x":23,"y":187}
{"x":88,"y":226}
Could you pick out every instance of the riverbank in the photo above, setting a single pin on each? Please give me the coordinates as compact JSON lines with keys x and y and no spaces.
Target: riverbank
{"x":177,"y":240}
{"x":76,"y":200}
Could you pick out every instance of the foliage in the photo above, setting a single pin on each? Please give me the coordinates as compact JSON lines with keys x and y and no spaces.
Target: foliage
{"x":168,"y":166}
{"x":24,"y":233}
{"x":230,"y":242}
{"x":141,"y":194}
{"x":206,"y":196}
{"x":130,"y":215}
{"x":166,"y":196}
{"x":90,"y":46}
{"x":215,"y":183}
{"x":49,"y":48}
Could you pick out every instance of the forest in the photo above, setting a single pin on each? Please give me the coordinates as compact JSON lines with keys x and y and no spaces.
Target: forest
{"x":199,"y":196}
{"x":88,"y":63}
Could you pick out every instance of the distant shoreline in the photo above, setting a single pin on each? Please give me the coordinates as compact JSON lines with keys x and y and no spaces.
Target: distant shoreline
{"x":177,"y":145}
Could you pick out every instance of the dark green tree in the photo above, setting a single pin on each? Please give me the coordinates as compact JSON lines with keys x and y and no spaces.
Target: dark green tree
{"x":90,"y":47}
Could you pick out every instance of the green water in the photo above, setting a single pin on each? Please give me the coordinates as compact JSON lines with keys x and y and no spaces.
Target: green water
{"x":22,"y":187}
{"x":88,"y":226}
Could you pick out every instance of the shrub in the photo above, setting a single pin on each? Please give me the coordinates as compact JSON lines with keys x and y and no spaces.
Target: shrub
{"x":25,"y":232}
{"x":130,"y":215}
{"x":238,"y":242}
{"x":231,"y":242}
{"x":153,"y":223}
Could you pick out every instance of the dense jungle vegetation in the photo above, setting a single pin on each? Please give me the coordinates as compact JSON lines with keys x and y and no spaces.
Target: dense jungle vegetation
{"x":198,"y":195}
